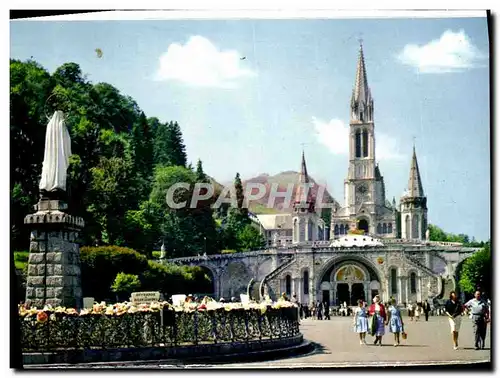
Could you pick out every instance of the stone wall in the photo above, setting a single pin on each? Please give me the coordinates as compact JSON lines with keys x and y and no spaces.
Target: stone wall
{"x":54,"y":275}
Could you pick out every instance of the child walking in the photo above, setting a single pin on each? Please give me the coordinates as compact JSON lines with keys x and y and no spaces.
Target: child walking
{"x":360,"y":322}
{"x":395,"y":321}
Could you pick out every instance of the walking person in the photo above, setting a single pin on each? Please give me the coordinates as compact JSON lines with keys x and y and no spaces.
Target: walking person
{"x":454,"y":309}
{"x":410,"y":310}
{"x":377,"y":323}
{"x":426,"y":308}
{"x":418,"y":311}
{"x":319,"y":309}
{"x":360,"y":322}
{"x":395,"y":321}
{"x":480,"y":317}
{"x":326,"y":309}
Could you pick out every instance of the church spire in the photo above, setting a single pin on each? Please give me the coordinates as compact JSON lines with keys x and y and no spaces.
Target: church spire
{"x":303,"y":184}
{"x":415,"y":189}
{"x":361,"y":100}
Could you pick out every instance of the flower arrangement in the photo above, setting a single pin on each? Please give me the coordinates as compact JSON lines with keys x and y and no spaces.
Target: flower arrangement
{"x":119,"y":309}
{"x":56,"y":328}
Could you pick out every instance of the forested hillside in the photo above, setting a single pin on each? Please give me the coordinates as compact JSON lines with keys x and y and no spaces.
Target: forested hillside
{"x":122,"y":163}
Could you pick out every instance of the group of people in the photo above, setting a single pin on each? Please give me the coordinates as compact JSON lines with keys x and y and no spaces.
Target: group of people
{"x":479,"y":312}
{"x":374,"y":318}
{"x":416,"y":309}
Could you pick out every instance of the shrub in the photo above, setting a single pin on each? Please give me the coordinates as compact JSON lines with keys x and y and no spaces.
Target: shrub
{"x":100,"y":266}
{"x":172,"y":279}
{"x":125,"y":284}
{"x":156,"y":254}
{"x":21,"y":260}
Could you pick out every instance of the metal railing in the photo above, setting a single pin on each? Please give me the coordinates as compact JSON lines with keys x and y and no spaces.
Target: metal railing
{"x":165,"y":328}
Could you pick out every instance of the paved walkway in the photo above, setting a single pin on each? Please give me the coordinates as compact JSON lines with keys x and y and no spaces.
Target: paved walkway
{"x":428,"y":343}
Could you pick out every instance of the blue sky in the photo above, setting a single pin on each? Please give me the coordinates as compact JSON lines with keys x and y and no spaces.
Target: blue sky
{"x":429,"y":79}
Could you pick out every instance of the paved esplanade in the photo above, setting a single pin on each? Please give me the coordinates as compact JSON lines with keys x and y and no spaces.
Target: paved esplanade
{"x":428,"y":342}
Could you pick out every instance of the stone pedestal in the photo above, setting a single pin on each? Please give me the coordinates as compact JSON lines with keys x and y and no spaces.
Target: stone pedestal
{"x":54,"y":259}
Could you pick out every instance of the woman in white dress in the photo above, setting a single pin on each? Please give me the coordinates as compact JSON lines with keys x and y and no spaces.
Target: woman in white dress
{"x":360,"y":321}
{"x":418,"y":310}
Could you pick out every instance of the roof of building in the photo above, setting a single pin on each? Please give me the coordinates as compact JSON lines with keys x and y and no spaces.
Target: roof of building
{"x":275,"y":221}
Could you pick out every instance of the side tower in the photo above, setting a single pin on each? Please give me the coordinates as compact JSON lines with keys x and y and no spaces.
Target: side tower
{"x":414,"y":205}
{"x":305,"y":220}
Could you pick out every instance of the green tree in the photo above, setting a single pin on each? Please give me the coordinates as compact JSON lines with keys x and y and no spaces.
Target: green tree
{"x":475,"y":273}
{"x":437,"y":234}
{"x":125,"y":284}
{"x":169,"y":148}
{"x":250,"y":239}
{"x":30,"y":86}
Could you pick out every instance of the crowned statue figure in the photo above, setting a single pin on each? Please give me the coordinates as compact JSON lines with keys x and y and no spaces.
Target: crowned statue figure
{"x":56,"y":158}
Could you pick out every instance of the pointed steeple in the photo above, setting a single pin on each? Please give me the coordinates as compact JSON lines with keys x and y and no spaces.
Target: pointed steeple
{"x":415,"y":189}
{"x":361,"y":91}
{"x":303,"y":177}
{"x":304,"y":183}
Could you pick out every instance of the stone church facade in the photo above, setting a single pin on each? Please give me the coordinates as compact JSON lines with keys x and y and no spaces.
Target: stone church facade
{"x":392,"y":258}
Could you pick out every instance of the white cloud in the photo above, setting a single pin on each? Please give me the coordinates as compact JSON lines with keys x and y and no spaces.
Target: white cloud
{"x":452,"y":52}
{"x":200,"y":63}
{"x":335,"y":136}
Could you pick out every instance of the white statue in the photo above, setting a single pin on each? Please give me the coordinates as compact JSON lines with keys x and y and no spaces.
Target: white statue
{"x":57,"y":153}
{"x":163,"y":252}
{"x":427,"y":234}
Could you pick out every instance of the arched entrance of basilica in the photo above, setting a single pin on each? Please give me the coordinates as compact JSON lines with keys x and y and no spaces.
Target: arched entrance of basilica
{"x":363,"y":225}
{"x":349,"y":281}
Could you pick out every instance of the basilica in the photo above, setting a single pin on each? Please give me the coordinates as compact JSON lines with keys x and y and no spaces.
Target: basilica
{"x":370,"y":247}
{"x":364,"y":206}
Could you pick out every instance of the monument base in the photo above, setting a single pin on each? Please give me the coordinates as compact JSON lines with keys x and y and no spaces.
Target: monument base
{"x":54,"y":259}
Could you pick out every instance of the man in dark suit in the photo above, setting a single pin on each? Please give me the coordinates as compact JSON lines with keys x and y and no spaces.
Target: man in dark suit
{"x":426,"y":307}
{"x":326,"y":308}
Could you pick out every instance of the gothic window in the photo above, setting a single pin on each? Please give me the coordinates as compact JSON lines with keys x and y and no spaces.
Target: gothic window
{"x":295,"y":230}
{"x":358,"y":144}
{"x":288,"y":285}
{"x":408,"y":227}
{"x":394,"y":281}
{"x":365,"y":143}
{"x":346,"y":228}
{"x":309,"y":231}
{"x":389,"y":228}
{"x":413,"y":283}
{"x":415,"y":228}
{"x":341,"y":229}
{"x":306,"y":282}
{"x":336,"y":229}
{"x":302,"y":231}
{"x":384,"y":228}
{"x":379,"y":228}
